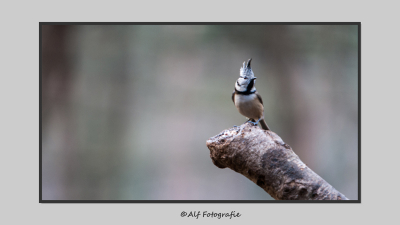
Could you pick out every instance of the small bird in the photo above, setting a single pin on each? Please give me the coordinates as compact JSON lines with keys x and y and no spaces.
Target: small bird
{"x":246,"y":98}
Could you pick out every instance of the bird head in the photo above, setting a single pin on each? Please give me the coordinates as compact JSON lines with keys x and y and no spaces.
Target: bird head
{"x":246,"y":77}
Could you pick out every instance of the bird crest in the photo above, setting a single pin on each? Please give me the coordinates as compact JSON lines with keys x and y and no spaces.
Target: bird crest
{"x":246,"y":70}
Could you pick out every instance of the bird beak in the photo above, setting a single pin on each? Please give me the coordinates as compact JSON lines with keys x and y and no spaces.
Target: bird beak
{"x":254,"y":78}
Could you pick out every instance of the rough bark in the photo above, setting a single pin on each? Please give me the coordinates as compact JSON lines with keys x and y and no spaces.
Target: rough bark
{"x":266,"y":160}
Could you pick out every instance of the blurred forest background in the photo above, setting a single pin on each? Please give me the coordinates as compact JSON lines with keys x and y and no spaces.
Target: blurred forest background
{"x":127,"y":109}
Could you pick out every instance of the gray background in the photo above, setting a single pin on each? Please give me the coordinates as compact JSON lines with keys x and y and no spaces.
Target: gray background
{"x":379,"y":116}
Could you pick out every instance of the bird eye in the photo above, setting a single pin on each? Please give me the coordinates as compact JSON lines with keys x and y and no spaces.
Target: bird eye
{"x":245,"y":78}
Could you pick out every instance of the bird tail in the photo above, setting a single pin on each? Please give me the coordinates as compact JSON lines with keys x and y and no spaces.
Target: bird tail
{"x":264,"y":124}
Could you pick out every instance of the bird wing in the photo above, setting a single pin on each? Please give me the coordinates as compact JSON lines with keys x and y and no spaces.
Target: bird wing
{"x":259,"y":98}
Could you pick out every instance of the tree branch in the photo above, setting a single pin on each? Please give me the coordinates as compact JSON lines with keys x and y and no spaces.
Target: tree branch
{"x":266,"y":160}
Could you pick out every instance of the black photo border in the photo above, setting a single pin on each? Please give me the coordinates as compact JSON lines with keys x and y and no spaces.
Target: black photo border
{"x":199,"y":23}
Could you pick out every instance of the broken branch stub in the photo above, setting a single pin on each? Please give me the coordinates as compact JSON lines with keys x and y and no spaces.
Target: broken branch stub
{"x":265,"y":159}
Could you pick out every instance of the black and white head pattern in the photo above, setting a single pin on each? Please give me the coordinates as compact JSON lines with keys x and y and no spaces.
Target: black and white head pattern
{"x":245,"y":78}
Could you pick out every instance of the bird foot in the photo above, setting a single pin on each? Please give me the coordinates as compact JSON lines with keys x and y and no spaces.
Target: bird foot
{"x":254,"y":123}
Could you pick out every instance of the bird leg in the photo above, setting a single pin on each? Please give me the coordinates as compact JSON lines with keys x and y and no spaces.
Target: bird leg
{"x":255,"y":123}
